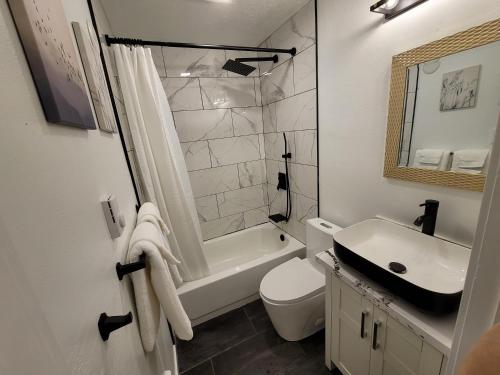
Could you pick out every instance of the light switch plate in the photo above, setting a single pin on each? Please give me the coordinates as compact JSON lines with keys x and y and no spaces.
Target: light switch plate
{"x":114,"y":218}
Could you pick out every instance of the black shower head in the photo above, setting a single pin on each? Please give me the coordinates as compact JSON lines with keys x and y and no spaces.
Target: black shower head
{"x":238,"y":67}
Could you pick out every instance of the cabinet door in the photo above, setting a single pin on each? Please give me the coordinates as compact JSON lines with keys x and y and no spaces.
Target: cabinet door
{"x":364,"y":340}
{"x":379,"y":329}
{"x":406,"y":354}
{"x":351,"y":330}
{"x":431,"y":361}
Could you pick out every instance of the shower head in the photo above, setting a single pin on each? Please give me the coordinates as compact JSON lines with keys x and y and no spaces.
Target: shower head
{"x":237,"y":66}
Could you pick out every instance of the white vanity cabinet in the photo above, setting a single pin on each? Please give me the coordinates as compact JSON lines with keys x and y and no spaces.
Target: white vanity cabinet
{"x":365,"y":340}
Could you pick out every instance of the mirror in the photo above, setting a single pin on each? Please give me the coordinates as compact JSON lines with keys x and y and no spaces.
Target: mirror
{"x":444,"y":109}
{"x":451,"y":111}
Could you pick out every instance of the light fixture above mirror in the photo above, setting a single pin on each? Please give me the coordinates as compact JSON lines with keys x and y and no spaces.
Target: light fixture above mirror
{"x":393,"y":8}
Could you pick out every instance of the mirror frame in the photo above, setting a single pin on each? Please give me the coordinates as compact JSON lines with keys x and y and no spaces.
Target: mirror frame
{"x":474,"y":37}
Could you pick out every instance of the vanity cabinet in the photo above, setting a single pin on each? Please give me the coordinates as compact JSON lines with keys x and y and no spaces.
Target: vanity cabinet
{"x":366,"y":341}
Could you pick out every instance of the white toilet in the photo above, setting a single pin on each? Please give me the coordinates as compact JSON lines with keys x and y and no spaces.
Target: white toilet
{"x":293,"y":293}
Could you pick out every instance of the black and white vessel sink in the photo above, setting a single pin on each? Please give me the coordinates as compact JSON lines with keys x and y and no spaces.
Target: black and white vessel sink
{"x":427,"y":271}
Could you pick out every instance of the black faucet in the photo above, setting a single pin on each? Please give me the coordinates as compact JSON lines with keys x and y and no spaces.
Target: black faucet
{"x":428,"y":219}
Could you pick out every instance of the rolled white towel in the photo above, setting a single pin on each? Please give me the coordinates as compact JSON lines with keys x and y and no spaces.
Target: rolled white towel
{"x":471,"y":161}
{"x":148,"y":307}
{"x":154,"y":286}
{"x":148,"y":231}
{"x":149,"y":213}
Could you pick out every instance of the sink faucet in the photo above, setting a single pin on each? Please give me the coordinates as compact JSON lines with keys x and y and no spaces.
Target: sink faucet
{"x":428,"y":219}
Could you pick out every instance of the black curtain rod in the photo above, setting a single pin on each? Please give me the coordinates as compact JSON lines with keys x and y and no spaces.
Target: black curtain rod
{"x":139,"y":42}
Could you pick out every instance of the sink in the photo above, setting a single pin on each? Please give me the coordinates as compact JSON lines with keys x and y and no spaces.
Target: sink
{"x":426,"y":271}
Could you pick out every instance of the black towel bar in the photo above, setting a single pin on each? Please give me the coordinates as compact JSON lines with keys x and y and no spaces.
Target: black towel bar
{"x":124,"y":269}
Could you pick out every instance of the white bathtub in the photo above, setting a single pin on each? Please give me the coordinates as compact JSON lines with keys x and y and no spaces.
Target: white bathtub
{"x":237,"y":262}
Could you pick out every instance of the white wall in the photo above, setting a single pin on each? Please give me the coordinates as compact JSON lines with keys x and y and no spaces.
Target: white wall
{"x":355,"y":51}
{"x":57,"y":259}
{"x":462,"y":128}
{"x":481,"y":295}
{"x":244,"y":23}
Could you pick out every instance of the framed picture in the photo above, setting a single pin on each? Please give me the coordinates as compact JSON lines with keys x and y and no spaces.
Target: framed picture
{"x":88,"y":45}
{"x":459,"y":88}
{"x":51,"y":54}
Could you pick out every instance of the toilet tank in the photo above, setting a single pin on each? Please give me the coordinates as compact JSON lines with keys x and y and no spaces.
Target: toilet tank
{"x":319,"y":236}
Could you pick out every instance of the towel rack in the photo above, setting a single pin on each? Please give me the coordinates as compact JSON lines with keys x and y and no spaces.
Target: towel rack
{"x":125,"y":269}
{"x":108,"y":324}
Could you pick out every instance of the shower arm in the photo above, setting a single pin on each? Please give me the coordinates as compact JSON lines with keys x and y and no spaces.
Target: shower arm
{"x":274,"y":59}
{"x":139,"y":42}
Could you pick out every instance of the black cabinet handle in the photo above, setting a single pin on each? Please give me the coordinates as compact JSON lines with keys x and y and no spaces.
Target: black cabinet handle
{"x":375,"y":333}
{"x":108,"y":324}
{"x":363,"y":317}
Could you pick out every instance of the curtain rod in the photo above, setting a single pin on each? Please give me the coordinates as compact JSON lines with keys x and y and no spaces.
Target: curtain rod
{"x":139,"y":42}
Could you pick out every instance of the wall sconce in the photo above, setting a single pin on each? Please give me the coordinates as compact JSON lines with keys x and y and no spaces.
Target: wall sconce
{"x":393,"y":8}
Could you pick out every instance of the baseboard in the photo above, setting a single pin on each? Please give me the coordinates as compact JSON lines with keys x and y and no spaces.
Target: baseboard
{"x":225,"y":309}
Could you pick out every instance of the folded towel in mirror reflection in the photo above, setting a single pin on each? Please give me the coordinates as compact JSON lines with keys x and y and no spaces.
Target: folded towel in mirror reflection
{"x":436,"y":159}
{"x":471,"y":161}
{"x":154,"y":286}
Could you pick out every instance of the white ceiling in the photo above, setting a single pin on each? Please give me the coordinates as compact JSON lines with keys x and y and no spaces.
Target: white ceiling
{"x":236,"y":22}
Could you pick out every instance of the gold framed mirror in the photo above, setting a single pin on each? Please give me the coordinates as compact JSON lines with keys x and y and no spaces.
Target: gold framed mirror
{"x":398,"y":151}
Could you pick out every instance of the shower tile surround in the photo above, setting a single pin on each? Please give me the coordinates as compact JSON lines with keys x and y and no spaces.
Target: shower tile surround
{"x":289,"y":105}
{"x":230,"y":128}
{"x":218,"y":117}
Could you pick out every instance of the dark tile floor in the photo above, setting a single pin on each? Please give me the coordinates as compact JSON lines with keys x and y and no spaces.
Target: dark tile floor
{"x":243,"y":341}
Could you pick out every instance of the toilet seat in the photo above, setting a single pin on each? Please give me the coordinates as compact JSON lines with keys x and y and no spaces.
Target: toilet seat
{"x":292,"y":282}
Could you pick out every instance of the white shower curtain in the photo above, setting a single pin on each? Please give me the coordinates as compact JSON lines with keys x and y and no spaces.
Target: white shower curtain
{"x":161,"y":165}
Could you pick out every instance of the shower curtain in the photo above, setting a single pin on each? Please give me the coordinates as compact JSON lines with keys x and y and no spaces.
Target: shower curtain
{"x":161,"y":166}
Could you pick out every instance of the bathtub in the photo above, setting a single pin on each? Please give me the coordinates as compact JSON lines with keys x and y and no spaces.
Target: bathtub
{"x":237,"y":262}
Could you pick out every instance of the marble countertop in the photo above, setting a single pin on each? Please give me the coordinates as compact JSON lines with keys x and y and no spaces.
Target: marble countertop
{"x":435,"y":330}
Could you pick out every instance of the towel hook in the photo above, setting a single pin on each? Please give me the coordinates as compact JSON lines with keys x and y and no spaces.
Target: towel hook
{"x":124,"y":269}
{"x":108,"y":324}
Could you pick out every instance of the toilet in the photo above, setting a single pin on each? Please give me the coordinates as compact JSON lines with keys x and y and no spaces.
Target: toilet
{"x":293,"y":293}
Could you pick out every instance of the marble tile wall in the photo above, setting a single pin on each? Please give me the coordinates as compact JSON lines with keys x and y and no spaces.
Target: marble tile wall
{"x":218,"y":117}
{"x":230,"y":128}
{"x":289,"y":105}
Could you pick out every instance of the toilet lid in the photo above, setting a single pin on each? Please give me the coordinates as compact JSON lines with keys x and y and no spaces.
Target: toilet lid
{"x":292,"y":281}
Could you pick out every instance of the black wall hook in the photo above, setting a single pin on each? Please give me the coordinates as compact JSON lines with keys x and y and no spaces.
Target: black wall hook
{"x":124,"y":269}
{"x":108,"y":324}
